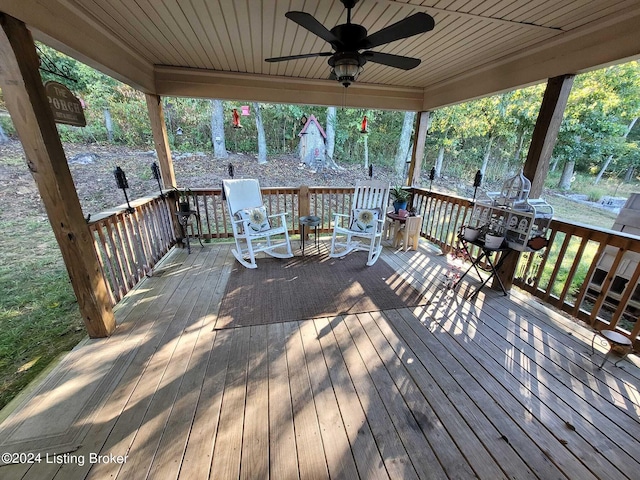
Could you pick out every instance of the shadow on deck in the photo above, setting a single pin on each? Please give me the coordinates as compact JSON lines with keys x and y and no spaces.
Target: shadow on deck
{"x":497,"y":387}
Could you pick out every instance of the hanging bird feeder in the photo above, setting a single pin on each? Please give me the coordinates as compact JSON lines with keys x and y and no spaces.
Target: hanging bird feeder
{"x":236,"y":119}
{"x":363,"y":127}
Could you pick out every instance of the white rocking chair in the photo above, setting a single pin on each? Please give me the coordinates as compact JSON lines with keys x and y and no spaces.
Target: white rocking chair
{"x":366,"y":221}
{"x":251,"y":223}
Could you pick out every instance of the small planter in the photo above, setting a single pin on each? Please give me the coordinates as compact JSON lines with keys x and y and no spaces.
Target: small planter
{"x":470,"y":234}
{"x":493,"y":241}
{"x":185,"y":207}
{"x":399,"y":205}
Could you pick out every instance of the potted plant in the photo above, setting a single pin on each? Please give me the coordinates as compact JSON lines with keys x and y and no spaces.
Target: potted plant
{"x":493,"y":238}
{"x":470,"y":234}
{"x":400,"y":198}
{"x":184,"y":197}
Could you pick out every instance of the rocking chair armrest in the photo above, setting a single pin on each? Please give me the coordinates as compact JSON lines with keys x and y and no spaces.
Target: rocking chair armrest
{"x":341,"y":215}
{"x":281,"y":214}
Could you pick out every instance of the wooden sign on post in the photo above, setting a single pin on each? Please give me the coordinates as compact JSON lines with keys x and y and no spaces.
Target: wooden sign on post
{"x":65,"y":106}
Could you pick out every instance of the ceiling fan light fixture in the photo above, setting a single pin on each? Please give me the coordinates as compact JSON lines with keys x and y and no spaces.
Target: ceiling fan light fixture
{"x":346,"y":68}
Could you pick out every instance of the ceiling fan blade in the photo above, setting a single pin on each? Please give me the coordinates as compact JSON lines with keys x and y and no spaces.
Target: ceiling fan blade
{"x":314,"y":26}
{"x":296,"y":57}
{"x":397,"y":61}
{"x":410,"y":26}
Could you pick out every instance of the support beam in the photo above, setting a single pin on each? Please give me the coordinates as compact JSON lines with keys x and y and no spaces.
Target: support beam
{"x":200,"y":83}
{"x":29,"y":108}
{"x":415,"y":168}
{"x":160,"y":139}
{"x":536,"y":166}
{"x":546,"y":131}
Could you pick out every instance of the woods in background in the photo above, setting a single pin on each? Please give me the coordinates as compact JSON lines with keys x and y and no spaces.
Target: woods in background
{"x":599,"y":135}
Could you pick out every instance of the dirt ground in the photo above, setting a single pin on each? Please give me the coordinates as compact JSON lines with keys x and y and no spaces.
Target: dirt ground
{"x":92,"y":170}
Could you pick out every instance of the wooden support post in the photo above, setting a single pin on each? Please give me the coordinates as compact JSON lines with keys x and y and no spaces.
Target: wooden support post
{"x":28,"y":105}
{"x":546,"y":131}
{"x":536,"y":167}
{"x":159,"y":129}
{"x":415,"y":168}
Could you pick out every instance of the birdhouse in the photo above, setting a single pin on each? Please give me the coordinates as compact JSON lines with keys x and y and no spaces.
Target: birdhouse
{"x":522,"y":221}
{"x":312,"y":143}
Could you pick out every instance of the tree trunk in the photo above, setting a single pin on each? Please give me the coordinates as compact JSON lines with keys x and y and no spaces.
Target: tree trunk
{"x":217,"y":130}
{"x":331,"y":131}
{"x":554,"y":164}
{"x":404,"y":144}
{"x":108,"y":124}
{"x":366,"y":152}
{"x":628,"y":176}
{"x":330,"y":142}
{"x":520,"y":144}
{"x":610,"y":157}
{"x":262,"y":140}
{"x":439,"y":161}
{"x":487,"y":155}
{"x":567,"y":175}
{"x":3,"y":136}
{"x":605,"y":165}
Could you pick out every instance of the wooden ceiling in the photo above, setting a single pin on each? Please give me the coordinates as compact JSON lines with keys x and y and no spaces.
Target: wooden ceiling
{"x":217,"y":49}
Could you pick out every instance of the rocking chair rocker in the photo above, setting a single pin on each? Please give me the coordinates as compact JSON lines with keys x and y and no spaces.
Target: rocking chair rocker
{"x":250,"y":223}
{"x":366,"y":221}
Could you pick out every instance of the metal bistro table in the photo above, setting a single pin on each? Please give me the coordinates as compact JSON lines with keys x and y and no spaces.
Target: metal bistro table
{"x":485,"y":253}
{"x":183,"y":220}
{"x":309,"y":221}
{"x":613,"y":340}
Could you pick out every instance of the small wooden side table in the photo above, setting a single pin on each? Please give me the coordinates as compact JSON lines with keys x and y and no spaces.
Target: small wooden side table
{"x":406,"y":230}
{"x":613,"y":339}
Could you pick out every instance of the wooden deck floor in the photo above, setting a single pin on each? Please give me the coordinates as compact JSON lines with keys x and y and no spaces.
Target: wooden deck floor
{"x":496,"y":388}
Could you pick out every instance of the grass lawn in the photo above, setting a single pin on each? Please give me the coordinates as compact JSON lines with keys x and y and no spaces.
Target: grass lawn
{"x":570,"y":211}
{"x":39,"y":315}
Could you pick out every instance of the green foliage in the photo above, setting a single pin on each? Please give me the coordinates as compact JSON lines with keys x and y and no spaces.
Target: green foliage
{"x":399,"y":194}
{"x":594,"y":194}
{"x":7,"y":125}
{"x":497,"y":129}
{"x":39,"y":322}
{"x":601,"y":106}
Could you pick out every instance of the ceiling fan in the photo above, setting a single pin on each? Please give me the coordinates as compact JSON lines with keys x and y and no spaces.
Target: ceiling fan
{"x":348,"y":39}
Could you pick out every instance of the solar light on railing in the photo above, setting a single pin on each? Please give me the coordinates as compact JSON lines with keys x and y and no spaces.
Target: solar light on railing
{"x":432,"y":175}
{"x":157,"y":175}
{"x":477,"y":181}
{"x":121,"y":180}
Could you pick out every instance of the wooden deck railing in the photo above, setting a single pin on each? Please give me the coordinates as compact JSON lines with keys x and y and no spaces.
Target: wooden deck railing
{"x":213,"y":219}
{"x":574,"y":275}
{"x":570,"y":274}
{"x":128,"y":245}
{"x":566,"y":274}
